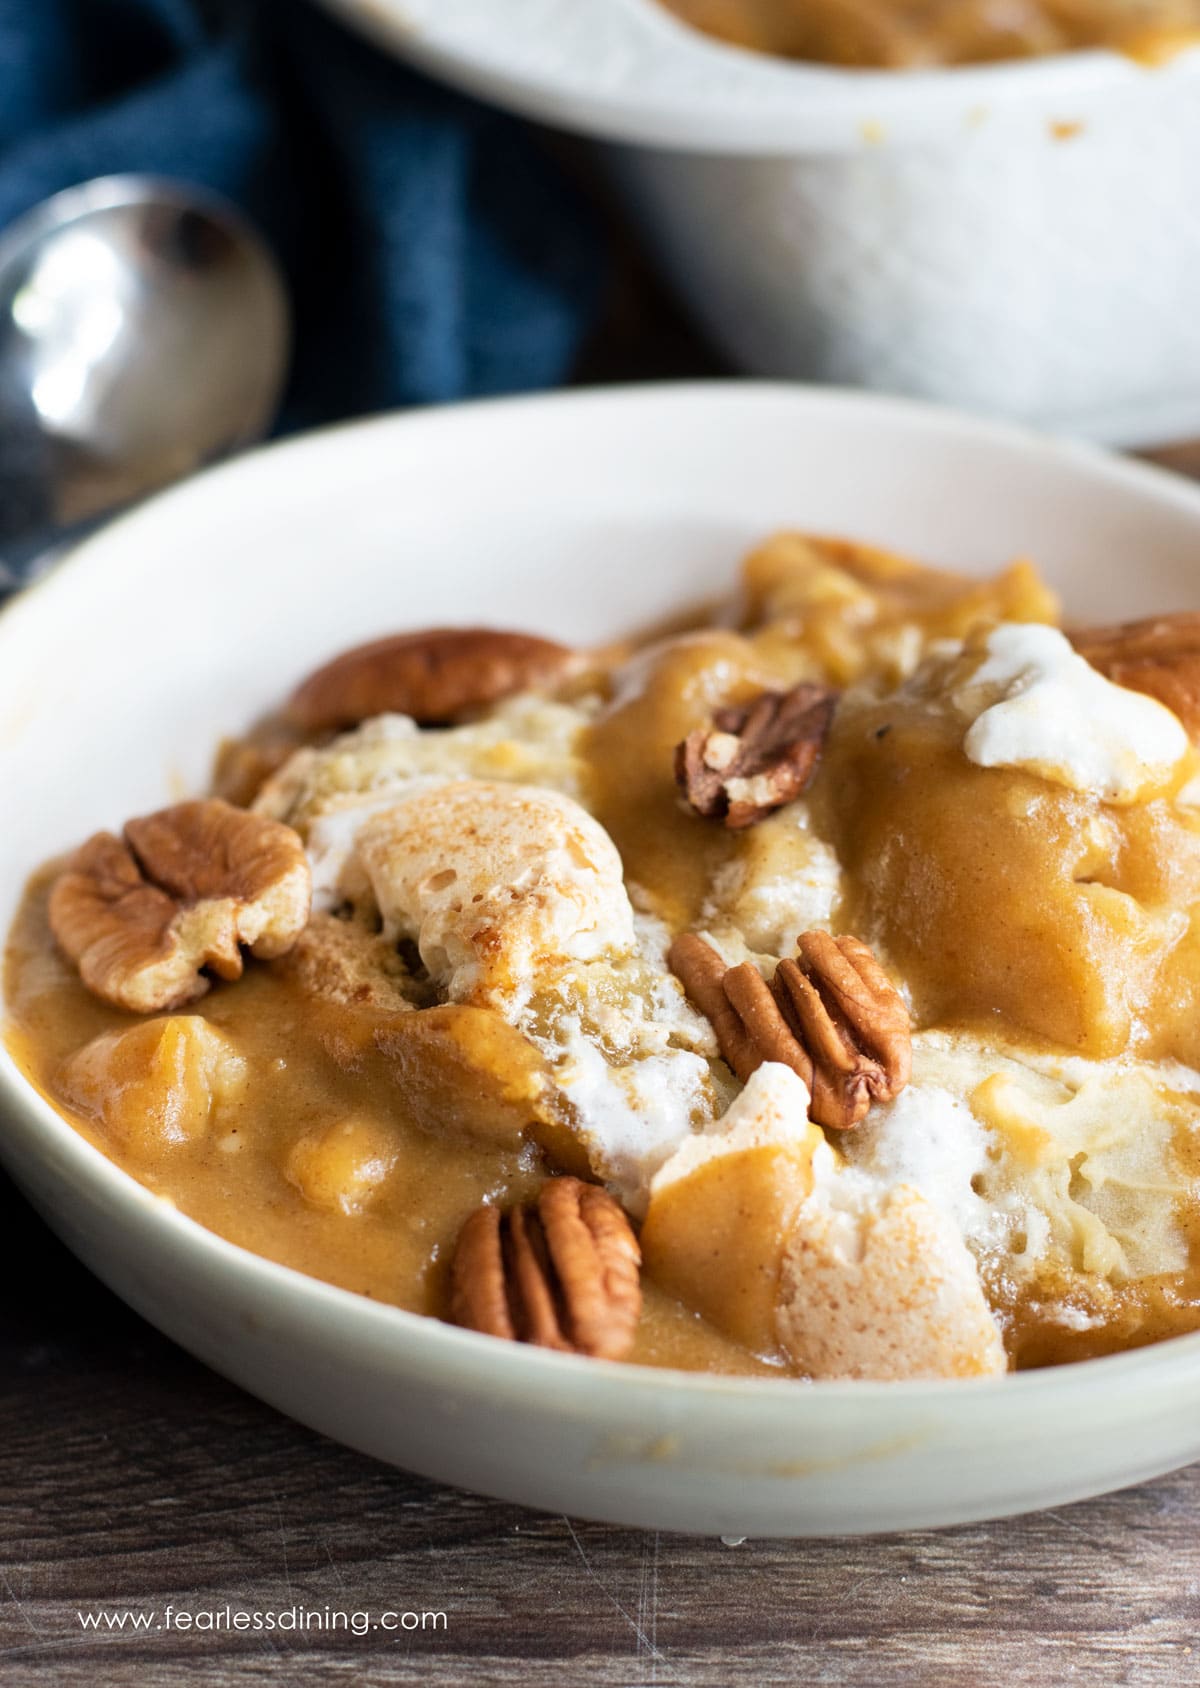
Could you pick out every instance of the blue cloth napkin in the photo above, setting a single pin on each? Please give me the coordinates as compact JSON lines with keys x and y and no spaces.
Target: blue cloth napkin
{"x":432,"y":247}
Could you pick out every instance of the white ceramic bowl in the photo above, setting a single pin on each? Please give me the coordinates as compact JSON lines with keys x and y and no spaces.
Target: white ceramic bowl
{"x":579,"y":516}
{"x":1021,"y":239}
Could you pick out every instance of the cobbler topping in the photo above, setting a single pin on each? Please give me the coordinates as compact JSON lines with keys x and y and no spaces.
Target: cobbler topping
{"x":498,"y":885}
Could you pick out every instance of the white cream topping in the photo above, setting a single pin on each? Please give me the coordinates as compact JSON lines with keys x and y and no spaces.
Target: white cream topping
{"x":1035,"y":703}
{"x":1038,"y":1158}
{"x":672,"y":1017}
{"x":874,"y":1281}
{"x":631,"y":1118}
{"x":772,"y":1111}
{"x":498,"y":884}
{"x":338,"y":875}
{"x":928,"y":1138}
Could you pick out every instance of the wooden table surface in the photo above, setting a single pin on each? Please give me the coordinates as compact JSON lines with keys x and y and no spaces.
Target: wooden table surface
{"x":132,"y":1480}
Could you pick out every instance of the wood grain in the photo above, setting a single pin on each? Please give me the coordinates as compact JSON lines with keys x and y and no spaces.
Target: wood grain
{"x":132,"y":1478}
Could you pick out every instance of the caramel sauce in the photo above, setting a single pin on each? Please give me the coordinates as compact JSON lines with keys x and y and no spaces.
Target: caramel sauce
{"x":997,"y":894}
{"x":717,"y":1238}
{"x":670,"y":855}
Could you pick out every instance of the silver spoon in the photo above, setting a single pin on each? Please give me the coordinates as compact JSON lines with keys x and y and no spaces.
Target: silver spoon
{"x":144,"y":332}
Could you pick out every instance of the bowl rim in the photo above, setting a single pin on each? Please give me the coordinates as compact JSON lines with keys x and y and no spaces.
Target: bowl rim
{"x":417,"y":1340}
{"x":629,"y":71}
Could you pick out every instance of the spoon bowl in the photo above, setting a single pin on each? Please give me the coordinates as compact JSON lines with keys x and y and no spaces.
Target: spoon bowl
{"x":143,"y":333}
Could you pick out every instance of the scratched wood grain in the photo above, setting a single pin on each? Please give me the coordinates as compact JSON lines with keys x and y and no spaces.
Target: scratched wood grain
{"x":132,"y":1478}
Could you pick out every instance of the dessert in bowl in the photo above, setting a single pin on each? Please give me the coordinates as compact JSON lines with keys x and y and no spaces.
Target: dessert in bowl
{"x":843,"y":945}
{"x":795,"y":948}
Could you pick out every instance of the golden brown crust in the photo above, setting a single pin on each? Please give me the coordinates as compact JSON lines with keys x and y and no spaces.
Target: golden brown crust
{"x":1159,"y":656}
{"x":833,"y":1016}
{"x":344,"y":962}
{"x":185,"y":890}
{"x":562,"y":1272}
{"x":441,"y":675}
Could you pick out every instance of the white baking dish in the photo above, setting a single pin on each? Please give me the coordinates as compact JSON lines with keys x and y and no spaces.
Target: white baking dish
{"x":1022,"y":239}
{"x":581,"y":517}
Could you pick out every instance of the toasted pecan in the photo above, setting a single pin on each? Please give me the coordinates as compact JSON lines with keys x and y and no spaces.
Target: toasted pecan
{"x":755,"y":758}
{"x":832,"y":1015}
{"x":853,"y":1022}
{"x":441,"y":675}
{"x":703,"y":974}
{"x":183,"y":891}
{"x":562,"y":1272}
{"x":1159,"y":656}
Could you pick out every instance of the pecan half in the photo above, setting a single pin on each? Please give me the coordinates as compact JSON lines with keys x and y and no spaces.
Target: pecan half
{"x":182,"y":891}
{"x":853,"y":1022}
{"x":757,"y":757}
{"x":562,"y":1272}
{"x":833,"y":1016}
{"x":1160,"y":656}
{"x":738,"y":1004}
{"x":441,"y":675}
